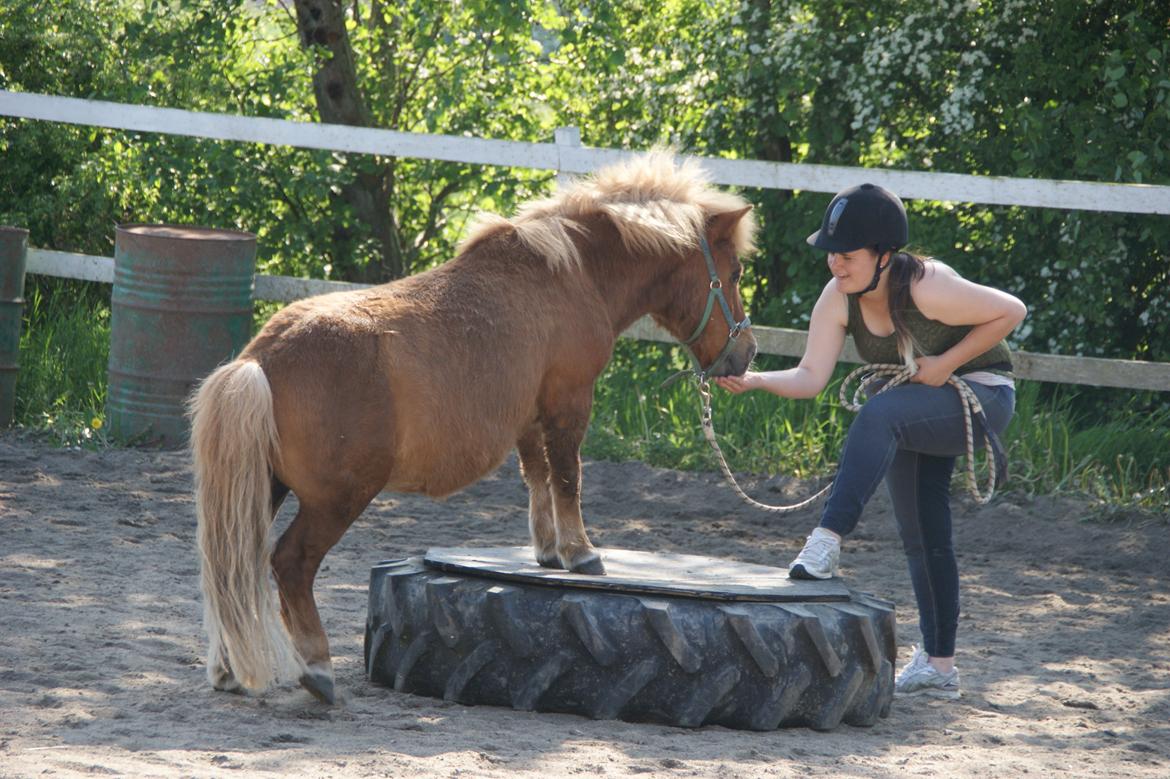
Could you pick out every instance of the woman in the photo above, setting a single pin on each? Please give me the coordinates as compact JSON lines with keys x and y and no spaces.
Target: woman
{"x":901,"y":308}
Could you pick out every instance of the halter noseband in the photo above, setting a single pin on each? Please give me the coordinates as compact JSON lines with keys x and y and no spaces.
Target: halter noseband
{"x":716,"y":293}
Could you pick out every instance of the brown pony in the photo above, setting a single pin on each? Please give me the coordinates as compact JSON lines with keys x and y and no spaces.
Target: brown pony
{"x":425,"y":384}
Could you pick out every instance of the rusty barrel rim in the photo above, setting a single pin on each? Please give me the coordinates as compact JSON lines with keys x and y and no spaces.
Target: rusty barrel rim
{"x":184,"y":232}
{"x":147,"y":287}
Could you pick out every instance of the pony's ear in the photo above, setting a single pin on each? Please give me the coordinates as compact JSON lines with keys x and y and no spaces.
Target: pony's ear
{"x":722,"y":226}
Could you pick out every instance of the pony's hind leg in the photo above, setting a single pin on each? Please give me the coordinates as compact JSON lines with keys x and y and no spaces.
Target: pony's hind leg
{"x":219,"y":666}
{"x":541,"y":524}
{"x":295,"y":561}
{"x":219,"y":670}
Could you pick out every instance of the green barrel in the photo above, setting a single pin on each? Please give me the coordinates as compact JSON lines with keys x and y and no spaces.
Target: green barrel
{"x":182,"y":305}
{"x":13,"y":253}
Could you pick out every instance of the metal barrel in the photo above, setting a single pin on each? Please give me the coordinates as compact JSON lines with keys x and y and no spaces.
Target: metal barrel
{"x":181,"y":305}
{"x":13,"y":254}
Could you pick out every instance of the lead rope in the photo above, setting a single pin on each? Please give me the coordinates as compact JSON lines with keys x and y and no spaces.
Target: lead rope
{"x":898,"y":375}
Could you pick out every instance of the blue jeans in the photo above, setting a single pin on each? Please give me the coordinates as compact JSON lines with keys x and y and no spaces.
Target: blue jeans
{"x":911,"y":436}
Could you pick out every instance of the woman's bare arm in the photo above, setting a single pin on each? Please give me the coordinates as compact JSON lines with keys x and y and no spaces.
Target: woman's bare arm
{"x":826,"y":337}
{"x":949,"y":298}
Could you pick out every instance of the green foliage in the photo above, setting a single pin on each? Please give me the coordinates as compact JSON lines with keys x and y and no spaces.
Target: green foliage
{"x":69,"y":185}
{"x":1061,"y":89}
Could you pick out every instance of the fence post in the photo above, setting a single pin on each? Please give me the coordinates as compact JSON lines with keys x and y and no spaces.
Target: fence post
{"x":565,"y":137}
{"x":13,"y":255}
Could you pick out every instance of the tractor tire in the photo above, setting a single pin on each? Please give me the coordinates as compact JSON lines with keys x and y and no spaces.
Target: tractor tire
{"x":682,"y":661}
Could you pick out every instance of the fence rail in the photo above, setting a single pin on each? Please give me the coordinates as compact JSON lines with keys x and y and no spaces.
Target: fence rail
{"x":567,"y":155}
{"x":1093,"y":371}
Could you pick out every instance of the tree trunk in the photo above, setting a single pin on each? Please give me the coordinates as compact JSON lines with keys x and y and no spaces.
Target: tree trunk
{"x":321,"y":24}
{"x":771,"y":143}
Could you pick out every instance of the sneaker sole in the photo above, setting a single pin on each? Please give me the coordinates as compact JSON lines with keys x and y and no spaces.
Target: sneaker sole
{"x":930,"y":692}
{"x":800,"y":572}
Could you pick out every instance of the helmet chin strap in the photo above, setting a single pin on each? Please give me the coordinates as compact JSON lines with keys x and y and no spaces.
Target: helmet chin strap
{"x":877,"y":273}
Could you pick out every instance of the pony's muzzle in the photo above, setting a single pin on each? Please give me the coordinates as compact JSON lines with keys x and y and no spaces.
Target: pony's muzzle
{"x":739,"y":358}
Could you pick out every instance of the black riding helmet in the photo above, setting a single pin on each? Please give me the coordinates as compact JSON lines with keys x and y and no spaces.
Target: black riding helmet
{"x":863,"y":216}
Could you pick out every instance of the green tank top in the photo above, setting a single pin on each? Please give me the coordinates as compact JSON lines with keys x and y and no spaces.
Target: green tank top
{"x":931,"y":337}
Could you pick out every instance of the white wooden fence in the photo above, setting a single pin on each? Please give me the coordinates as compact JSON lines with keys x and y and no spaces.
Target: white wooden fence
{"x":567,"y":156}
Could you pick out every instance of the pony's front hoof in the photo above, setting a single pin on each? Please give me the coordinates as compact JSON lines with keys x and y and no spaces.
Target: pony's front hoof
{"x":549,"y":561}
{"x":590,"y":565}
{"x":320,"y":685}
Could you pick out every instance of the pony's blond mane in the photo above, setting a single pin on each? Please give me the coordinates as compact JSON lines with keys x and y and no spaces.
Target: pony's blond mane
{"x":657,"y":205}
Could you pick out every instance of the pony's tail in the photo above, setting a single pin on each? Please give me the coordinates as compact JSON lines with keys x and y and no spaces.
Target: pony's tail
{"x":233,"y":445}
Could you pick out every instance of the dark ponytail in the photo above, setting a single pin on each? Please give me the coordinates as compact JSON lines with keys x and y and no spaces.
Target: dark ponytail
{"x":905,"y":268}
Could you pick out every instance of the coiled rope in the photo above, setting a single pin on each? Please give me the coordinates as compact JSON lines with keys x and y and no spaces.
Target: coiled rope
{"x":898,"y":375}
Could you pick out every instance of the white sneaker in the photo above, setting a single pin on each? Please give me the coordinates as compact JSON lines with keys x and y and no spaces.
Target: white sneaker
{"x":919,"y":677}
{"x":818,"y":559}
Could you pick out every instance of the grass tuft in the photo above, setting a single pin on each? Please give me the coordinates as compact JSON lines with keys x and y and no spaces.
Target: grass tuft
{"x":64,"y":354}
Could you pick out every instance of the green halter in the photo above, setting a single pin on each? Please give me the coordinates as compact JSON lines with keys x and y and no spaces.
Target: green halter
{"x":716,"y":293}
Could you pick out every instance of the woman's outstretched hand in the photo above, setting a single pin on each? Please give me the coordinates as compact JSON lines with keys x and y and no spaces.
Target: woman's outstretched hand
{"x":737,"y":384}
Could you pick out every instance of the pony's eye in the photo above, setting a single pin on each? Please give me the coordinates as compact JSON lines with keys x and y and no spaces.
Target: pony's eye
{"x":735,"y":277}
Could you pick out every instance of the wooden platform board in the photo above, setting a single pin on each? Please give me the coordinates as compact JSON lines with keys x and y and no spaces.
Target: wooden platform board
{"x":636,"y":572}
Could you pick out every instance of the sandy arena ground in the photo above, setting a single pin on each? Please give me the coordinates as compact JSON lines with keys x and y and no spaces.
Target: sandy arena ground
{"x":1064,"y":643}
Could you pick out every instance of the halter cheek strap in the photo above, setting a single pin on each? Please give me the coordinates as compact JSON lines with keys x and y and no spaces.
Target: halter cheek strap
{"x":716,"y":294}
